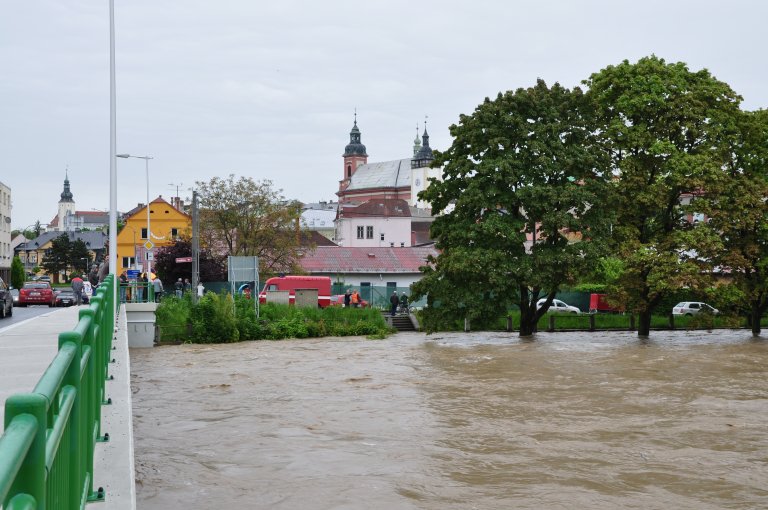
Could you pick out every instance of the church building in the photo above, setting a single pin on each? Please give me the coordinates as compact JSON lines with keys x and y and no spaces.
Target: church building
{"x":68,"y":219}
{"x":400,"y":179}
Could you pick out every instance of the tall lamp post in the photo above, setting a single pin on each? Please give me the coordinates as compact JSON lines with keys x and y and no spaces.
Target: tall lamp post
{"x":148,"y":245}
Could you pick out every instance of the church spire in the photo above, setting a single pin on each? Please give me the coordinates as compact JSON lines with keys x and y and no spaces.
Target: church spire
{"x":424,"y":157}
{"x":66,"y":195}
{"x":355,"y":147}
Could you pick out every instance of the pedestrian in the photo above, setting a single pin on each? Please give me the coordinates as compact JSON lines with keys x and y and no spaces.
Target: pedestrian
{"x":140,"y":284}
{"x":355,"y":299}
{"x":187,"y":285}
{"x":200,"y":289}
{"x":87,"y":290}
{"x":404,"y":302}
{"x":393,"y":301}
{"x":157,"y":286}
{"x":123,"y":286}
{"x":347,"y":298}
{"x":179,"y":286}
{"x":77,"y":288}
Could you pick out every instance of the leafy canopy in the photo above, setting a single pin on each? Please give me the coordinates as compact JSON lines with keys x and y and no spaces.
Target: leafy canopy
{"x":522,"y":200}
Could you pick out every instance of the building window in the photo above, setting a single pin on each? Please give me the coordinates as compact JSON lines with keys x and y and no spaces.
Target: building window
{"x":174,"y":232}
{"x":143,"y":233}
{"x":129,"y":261}
{"x":369,"y":232}
{"x":391,"y":245}
{"x":349,"y":171}
{"x":402,"y":245}
{"x":359,"y":232}
{"x":382,"y":237}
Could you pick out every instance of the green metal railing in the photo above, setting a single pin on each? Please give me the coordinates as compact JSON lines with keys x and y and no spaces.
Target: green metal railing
{"x":47,"y":449}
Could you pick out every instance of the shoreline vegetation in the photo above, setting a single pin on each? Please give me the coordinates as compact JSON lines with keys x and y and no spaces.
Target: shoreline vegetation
{"x":220,"y":318}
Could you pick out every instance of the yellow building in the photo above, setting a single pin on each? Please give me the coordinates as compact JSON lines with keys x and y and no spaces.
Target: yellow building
{"x":166,"y":224}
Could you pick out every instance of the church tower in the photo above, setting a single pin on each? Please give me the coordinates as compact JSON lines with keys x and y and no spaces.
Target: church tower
{"x":354,"y":156}
{"x":66,"y":207}
{"x":423,"y":158}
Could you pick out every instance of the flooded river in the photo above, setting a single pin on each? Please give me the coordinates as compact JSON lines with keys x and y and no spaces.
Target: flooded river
{"x":455,"y":421}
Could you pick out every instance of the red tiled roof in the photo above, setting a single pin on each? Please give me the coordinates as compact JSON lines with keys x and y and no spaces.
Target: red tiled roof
{"x":341,"y":259}
{"x":385,"y":207}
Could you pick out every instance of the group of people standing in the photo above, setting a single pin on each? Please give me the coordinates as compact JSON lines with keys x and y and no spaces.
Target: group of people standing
{"x":137,"y":291}
{"x":396,"y":302}
{"x":352,"y":298}
{"x":82,"y":289}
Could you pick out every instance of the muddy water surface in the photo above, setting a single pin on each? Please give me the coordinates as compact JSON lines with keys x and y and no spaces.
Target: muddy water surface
{"x":455,"y":421}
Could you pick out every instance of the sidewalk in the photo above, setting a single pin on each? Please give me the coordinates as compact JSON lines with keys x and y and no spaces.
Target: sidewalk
{"x":26,"y":350}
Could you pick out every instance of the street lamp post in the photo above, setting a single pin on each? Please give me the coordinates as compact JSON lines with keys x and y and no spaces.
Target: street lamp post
{"x":148,"y":244}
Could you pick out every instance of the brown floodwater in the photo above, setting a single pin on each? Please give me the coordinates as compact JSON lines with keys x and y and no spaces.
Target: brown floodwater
{"x":455,"y":421}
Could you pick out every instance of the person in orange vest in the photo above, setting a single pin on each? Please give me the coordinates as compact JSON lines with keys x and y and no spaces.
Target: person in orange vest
{"x":355,"y":299}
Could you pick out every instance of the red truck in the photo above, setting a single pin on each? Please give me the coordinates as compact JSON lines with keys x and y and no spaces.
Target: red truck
{"x":293,"y":283}
{"x":598,"y":303}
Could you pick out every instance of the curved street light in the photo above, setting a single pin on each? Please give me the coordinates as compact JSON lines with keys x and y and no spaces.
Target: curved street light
{"x":148,"y":244}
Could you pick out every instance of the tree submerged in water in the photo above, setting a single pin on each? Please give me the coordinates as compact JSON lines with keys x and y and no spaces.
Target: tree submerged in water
{"x":523,"y":203}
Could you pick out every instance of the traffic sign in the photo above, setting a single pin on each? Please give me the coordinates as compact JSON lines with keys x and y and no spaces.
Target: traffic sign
{"x":179,"y":260}
{"x":149,"y":245}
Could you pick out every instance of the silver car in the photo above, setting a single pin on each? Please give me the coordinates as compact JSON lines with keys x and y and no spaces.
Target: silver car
{"x":693,"y":307}
{"x":557,"y":306}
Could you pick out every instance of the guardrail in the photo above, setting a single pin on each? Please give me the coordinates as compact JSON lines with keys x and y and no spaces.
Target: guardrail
{"x":47,"y":449}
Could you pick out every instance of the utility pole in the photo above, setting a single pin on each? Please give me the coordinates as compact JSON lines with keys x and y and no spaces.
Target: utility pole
{"x":195,"y":247}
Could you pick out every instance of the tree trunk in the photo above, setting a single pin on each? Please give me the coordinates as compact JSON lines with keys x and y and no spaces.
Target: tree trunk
{"x":527,"y":321}
{"x":644,"y":323}
{"x":755,"y":319}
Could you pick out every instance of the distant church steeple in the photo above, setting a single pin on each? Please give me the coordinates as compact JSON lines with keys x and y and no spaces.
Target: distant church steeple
{"x":66,"y":195}
{"x":354,"y":155}
{"x":424,"y":157}
{"x":66,"y":216}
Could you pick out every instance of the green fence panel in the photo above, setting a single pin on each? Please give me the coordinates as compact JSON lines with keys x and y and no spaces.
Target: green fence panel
{"x":47,"y":448}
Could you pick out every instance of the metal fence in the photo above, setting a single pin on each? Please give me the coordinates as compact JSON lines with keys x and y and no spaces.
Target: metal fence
{"x":47,"y":449}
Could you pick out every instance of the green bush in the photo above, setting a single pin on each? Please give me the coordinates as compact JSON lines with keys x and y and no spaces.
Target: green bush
{"x":213,"y":319}
{"x":172,"y":318}
{"x":217,"y":318}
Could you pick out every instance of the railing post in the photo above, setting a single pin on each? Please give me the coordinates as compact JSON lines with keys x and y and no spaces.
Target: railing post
{"x":77,"y":423}
{"x":591,"y":322}
{"x":31,"y":478}
{"x":551,"y":327}
{"x":509,"y":323}
{"x":671,"y":321}
{"x":466,"y":324}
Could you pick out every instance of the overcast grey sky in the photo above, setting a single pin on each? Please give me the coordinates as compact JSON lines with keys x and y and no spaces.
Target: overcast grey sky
{"x":268,"y":89}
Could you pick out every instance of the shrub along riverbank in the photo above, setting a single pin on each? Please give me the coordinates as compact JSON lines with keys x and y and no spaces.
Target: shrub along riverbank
{"x":218,"y":318}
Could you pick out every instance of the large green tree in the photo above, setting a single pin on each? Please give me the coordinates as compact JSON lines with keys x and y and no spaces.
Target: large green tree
{"x":740,"y":215}
{"x":246,"y":217}
{"x":80,"y":257}
{"x":58,"y":256}
{"x":667,"y":131}
{"x":521,"y":207}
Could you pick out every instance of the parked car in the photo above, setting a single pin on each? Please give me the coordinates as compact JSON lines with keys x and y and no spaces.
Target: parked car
{"x":6,"y":300}
{"x":557,"y":306}
{"x":65,"y":297}
{"x":338,"y":300}
{"x":693,"y":307}
{"x":45,"y":278}
{"x":15,"y":294}
{"x":37,"y":293}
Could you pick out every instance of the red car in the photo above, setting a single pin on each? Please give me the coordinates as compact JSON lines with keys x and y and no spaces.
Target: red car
{"x":37,"y":293}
